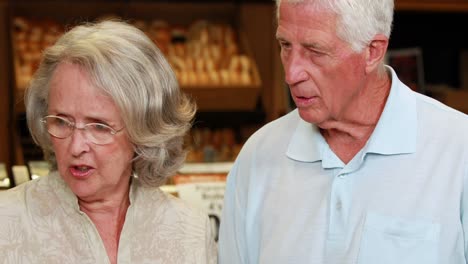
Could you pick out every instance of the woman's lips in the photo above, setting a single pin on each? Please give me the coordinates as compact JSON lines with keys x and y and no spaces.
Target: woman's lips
{"x":81,"y":171}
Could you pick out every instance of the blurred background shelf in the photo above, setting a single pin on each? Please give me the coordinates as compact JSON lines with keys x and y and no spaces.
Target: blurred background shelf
{"x":432,"y":5}
{"x":238,"y":108}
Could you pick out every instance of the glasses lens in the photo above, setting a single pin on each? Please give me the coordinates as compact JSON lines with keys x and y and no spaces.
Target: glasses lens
{"x":100,"y":133}
{"x":58,"y":127}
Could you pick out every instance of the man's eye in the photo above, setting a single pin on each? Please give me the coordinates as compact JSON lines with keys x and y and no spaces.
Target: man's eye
{"x":316,"y":52}
{"x":284,"y":45}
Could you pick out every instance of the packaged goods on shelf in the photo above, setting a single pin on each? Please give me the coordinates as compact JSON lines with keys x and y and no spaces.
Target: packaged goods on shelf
{"x":30,"y":37}
{"x":209,"y":59}
{"x":212,"y":145}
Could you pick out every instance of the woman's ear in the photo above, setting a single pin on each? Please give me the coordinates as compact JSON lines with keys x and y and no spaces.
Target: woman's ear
{"x":376,"y":52}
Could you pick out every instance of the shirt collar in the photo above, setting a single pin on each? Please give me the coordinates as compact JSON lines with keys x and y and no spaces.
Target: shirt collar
{"x":307,"y":144}
{"x":395,"y":132}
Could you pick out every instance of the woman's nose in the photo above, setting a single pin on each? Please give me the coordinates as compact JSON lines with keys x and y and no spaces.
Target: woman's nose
{"x":80,"y":142}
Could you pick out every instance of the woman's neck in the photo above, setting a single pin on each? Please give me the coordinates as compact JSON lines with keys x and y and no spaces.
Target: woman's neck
{"x":108,"y":216}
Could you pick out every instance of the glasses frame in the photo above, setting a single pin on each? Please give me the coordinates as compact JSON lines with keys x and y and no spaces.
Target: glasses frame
{"x":73,"y":126}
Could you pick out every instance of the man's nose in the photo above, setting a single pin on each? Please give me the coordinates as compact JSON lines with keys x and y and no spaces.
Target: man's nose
{"x":295,"y":68}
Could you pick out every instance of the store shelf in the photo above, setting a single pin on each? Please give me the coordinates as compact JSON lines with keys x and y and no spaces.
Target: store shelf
{"x":224,"y":104}
{"x":218,"y":98}
{"x":235,"y":86}
{"x":432,"y":5}
{"x":206,"y":168}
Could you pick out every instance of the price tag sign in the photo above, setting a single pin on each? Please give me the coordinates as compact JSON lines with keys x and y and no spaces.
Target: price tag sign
{"x":205,"y":191}
{"x":38,"y":168}
{"x":3,"y":172}
{"x":4,"y":180}
{"x":20,"y":174}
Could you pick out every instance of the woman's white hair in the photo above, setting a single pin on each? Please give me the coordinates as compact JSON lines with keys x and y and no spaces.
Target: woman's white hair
{"x":358,"y":20}
{"x":126,"y":65}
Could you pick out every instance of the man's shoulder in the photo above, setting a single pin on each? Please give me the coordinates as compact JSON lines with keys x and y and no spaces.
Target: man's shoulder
{"x":440,"y":115}
{"x":437,"y":121}
{"x":280,"y":127}
{"x":271,"y":140}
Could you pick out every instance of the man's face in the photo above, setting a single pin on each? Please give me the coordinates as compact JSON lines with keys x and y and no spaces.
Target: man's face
{"x":324,"y":74}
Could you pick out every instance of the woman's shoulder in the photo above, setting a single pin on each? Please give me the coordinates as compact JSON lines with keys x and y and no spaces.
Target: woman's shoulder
{"x":26,"y":196}
{"x":186,"y":210}
{"x":16,"y":205}
{"x":15,"y":199}
{"x":172,"y":207}
{"x":11,"y":201}
{"x":168,"y":224}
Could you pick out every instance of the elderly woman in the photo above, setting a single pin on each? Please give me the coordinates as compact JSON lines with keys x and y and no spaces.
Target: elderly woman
{"x":106,"y":109}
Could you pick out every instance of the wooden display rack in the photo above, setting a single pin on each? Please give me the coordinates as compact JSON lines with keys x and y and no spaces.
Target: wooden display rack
{"x":432,"y":5}
{"x":208,"y":97}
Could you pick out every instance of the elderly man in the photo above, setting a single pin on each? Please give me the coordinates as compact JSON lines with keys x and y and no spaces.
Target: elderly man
{"x":364,"y":170}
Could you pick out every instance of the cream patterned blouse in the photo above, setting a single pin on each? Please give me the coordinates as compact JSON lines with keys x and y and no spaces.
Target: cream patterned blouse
{"x":40,"y":222}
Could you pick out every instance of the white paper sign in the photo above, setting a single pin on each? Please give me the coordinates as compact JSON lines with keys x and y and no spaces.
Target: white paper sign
{"x":3,"y":172}
{"x":4,"y":180}
{"x":20,"y":174}
{"x":206,"y":195}
{"x":38,"y":169}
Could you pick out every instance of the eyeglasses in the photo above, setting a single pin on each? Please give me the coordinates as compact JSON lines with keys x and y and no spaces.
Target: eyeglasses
{"x":97,"y":133}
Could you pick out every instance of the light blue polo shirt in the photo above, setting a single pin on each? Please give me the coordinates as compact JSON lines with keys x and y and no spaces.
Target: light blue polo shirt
{"x":401,"y":200}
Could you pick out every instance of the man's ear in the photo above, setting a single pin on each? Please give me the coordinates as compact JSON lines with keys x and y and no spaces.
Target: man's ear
{"x":375,"y":52}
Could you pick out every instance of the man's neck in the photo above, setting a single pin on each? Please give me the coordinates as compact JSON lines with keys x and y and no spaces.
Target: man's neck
{"x":348,"y":134}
